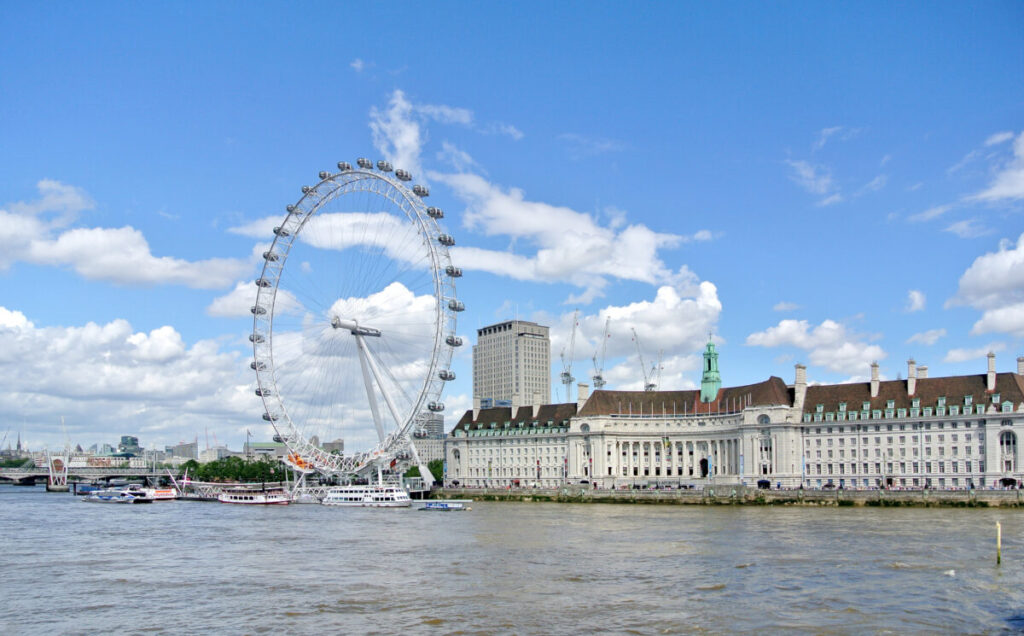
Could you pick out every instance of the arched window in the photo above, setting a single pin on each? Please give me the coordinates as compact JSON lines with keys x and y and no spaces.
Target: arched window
{"x":584,"y":428}
{"x":1008,"y":451}
{"x":763,"y":419}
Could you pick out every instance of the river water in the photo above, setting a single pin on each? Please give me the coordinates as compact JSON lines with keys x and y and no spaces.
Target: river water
{"x":528,"y":568}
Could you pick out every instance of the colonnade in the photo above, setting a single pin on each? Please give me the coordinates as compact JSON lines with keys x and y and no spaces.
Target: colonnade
{"x":654,"y":458}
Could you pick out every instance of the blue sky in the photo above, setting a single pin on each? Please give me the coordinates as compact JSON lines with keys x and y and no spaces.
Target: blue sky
{"x":827,"y":184}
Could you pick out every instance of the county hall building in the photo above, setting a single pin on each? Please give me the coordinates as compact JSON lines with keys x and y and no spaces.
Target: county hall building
{"x":946,"y":432}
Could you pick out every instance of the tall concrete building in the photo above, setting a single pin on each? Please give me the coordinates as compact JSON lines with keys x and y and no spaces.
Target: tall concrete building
{"x":512,"y":363}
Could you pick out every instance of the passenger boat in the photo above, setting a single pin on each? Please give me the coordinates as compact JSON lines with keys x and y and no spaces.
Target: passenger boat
{"x":447,"y":506}
{"x":162,"y":494}
{"x":114,"y":495}
{"x":371,"y":496}
{"x":255,"y":496}
{"x":140,"y":494}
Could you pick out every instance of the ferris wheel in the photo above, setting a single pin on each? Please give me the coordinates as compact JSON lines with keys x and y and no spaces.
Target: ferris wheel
{"x":354,"y":319}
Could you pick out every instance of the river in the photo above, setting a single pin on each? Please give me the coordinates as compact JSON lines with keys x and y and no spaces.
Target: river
{"x":528,"y":568}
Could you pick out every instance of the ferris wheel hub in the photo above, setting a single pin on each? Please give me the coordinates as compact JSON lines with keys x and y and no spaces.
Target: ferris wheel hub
{"x":353,"y":326}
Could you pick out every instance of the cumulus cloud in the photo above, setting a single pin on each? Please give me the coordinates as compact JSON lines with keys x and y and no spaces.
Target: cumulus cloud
{"x":1008,"y":319}
{"x":582,"y":252}
{"x":830,"y":344}
{"x":101,"y":377}
{"x":915,"y":301}
{"x":672,"y":326}
{"x":963,"y":355}
{"x":928,"y":338}
{"x":994,"y":284}
{"x":36,"y":234}
{"x":1008,"y":183}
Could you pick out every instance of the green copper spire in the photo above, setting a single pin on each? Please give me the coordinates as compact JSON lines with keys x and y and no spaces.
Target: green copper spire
{"x":711,"y":381}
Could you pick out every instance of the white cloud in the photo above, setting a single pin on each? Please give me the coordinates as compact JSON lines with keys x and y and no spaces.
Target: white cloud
{"x":101,"y":377}
{"x":1008,"y":319}
{"x":824,"y":136}
{"x":830,"y":344}
{"x":1008,"y":184}
{"x":458,"y":159}
{"x":580,"y":146}
{"x":582,"y":252}
{"x":810,"y":178}
{"x":928,"y":338}
{"x":236,"y":303}
{"x":830,"y":200}
{"x":963,"y":355}
{"x":396,"y":133}
{"x":358,"y":65}
{"x":785,"y":306}
{"x":875,"y":184}
{"x":999,"y":138}
{"x":119,"y":255}
{"x":931,"y":213}
{"x":503,"y":129}
{"x":702,"y":235}
{"x":915,"y":301}
{"x":995,"y":279}
{"x":968,"y":228}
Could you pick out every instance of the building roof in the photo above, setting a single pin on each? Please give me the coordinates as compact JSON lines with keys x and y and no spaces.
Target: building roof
{"x":1009,"y":386}
{"x":771,"y":392}
{"x":555,"y":413}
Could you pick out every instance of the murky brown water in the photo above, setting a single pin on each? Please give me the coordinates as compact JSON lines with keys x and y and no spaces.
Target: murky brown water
{"x":180,"y":567}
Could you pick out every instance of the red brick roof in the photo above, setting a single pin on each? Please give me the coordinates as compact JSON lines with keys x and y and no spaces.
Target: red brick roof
{"x":772,"y":391}
{"x":555,"y":413}
{"x":1009,"y":386}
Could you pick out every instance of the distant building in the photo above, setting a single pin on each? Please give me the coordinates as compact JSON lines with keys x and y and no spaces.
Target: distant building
{"x":185,"y":450}
{"x":213,"y":454}
{"x":277,"y":450}
{"x":129,"y":446}
{"x":921,"y":432}
{"x":512,"y":364}
{"x":337,"y":446}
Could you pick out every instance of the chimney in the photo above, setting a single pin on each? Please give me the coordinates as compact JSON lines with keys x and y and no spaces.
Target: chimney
{"x":800,"y":387}
{"x":874,"y":379}
{"x":536,"y":404}
{"x":582,"y":393}
{"x":922,"y":372}
{"x":991,"y":372}
{"x":476,"y":407}
{"x":1020,"y":365}
{"x":911,"y":377}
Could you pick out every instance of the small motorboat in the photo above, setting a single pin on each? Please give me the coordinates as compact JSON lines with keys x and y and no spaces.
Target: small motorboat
{"x":110,"y":495}
{"x":451,"y":505}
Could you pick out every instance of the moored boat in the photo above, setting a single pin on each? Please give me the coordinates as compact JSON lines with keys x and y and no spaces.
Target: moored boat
{"x":370,"y":496}
{"x":111,"y":495}
{"x":255,"y":496}
{"x":451,"y":505}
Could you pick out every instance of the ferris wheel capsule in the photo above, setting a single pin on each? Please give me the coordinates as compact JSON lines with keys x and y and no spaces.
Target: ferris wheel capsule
{"x":262,"y":282}
{"x":436,"y":407}
{"x":383,"y":166}
{"x":258,"y":310}
{"x":456,"y":305}
{"x":270,"y":256}
{"x":446,"y":375}
{"x":306,"y":189}
{"x":403,"y":175}
{"x":258,"y":365}
{"x":280,"y":231}
{"x":344,"y":166}
{"x":435,"y":213}
{"x":421,"y":191}
{"x":446,"y":240}
{"x":454,"y":272}
{"x":290,"y":208}
{"x":257,"y":338}
{"x":453,"y":341}
{"x":364,"y":163}
{"x":323,"y":174}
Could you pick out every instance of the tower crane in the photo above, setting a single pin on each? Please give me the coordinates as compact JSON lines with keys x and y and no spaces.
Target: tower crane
{"x":566,"y":376}
{"x":598,"y":376}
{"x":649,"y":385}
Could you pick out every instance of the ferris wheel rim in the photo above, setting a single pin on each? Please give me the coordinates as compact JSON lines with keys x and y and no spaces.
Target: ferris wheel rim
{"x":302,"y":453}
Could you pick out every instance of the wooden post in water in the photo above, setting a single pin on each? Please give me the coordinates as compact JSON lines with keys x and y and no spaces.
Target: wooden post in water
{"x":999,"y":543}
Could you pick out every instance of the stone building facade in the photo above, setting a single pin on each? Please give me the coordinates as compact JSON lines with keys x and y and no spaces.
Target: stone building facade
{"x":944,"y":433}
{"x":512,"y":364}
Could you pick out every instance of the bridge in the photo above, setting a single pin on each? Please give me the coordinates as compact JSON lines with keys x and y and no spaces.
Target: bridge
{"x":28,"y":476}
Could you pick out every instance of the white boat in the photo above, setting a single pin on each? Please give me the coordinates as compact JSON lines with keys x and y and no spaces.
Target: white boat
{"x":112,"y":495}
{"x":162,"y":494}
{"x":372,"y":496}
{"x":255,"y":496}
{"x":447,"y":506}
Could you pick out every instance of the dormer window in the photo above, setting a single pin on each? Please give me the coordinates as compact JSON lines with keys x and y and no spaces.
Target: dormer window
{"x":995,"y":398}
{"x":890,"y":404}
{"x":842,"y":407}
{"x":820,"y":408}
{"x":866,"y":406}
{"x":942,"y":401}
{"x":916,"y":403}
{"x":968,"y":400}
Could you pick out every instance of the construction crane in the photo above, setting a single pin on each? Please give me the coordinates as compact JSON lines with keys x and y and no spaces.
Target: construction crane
{"x":648,"y":384}
{"x":566,"y":376}
{"x":598,"y":376}
{"x":656,"y":370}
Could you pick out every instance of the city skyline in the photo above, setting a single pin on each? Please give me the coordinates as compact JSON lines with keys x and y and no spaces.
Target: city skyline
{"x":816,"y":184}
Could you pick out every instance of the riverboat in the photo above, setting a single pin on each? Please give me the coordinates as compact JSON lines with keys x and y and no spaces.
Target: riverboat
{"x":248,"y":495}
{"x":447,"y":506}
{"x":114,"y":495}
{"x":371,"y":496}
{"x":162,"y":494}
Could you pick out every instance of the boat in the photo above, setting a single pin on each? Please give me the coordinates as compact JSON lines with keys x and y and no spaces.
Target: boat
{"x":447,"y":506}
{"x":114,"y":495}
{"x":141,"y":495}
{"x":369,"y":496}
{"x":162,"y":494}
{"x":255,"y":496}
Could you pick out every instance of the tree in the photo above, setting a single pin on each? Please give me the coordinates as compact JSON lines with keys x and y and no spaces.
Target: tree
{"x":435,"y":466}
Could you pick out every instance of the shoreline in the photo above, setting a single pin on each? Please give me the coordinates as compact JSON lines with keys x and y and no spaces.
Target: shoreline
{"x":748,"y":496}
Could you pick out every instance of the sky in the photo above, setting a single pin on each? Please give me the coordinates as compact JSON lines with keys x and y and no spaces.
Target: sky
{"x":821,"y":183}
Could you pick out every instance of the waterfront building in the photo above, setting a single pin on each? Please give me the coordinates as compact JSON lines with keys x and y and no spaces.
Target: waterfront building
{"x":512,"y":364}
{"x":948,"y":432}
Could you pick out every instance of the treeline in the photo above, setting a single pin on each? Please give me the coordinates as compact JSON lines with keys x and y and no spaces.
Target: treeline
{"x":435,"y":466}
{"x":236,"y":469}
